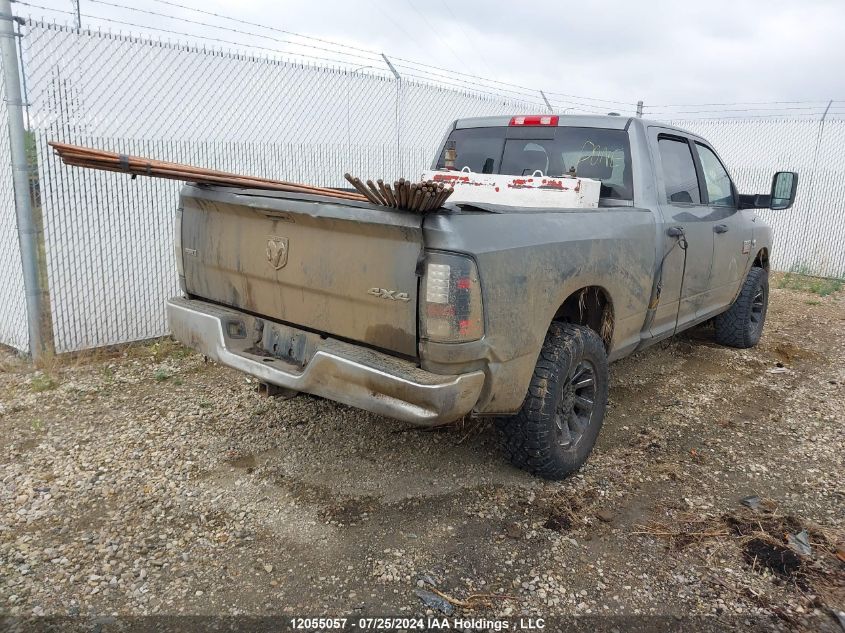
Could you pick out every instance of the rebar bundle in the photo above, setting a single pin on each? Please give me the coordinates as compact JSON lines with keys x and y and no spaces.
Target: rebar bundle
{"x":419,"y":197}
{"x":138,"y":166}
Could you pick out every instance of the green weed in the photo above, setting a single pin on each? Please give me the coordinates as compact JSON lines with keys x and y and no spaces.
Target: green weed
{"x":43,"y":382}
{"x":821,"y":286}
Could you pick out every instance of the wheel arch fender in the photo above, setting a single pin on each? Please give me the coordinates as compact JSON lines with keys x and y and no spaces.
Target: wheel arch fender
{"x":761,"y":259}
{"x":590,"y":305}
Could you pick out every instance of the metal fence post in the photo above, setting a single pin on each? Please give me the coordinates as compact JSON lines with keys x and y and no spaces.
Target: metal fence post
{"x":548,"y":105}
{"x":27,"y":226}
{"x":811,"y":198}
{"x":639,"y":109}
{"x":398,"y":78}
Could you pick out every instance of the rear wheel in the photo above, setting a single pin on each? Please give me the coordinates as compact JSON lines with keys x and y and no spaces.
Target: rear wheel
{"x":742,"y":324}
{"x":554,"y":432}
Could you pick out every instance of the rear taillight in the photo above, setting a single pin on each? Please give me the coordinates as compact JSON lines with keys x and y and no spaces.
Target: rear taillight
{"x":450,"y":300}
{"x":534,"y":119}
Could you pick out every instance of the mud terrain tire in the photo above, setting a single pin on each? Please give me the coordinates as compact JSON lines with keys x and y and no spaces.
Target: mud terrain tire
{"x":742,"y":325}
{"x":554,"y":432}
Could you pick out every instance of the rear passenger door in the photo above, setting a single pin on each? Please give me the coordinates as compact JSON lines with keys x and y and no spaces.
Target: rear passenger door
{"x":731,"y":230}
{"x":685,"y":274}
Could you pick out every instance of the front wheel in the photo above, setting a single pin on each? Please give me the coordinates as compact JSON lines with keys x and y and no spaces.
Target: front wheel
{"x":554,"y":432}
{"x":742,"y":324}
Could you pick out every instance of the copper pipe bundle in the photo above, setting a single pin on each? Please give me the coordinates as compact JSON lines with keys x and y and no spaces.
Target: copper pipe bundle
{"x":419,"y":197}
{"x":139,"y":166}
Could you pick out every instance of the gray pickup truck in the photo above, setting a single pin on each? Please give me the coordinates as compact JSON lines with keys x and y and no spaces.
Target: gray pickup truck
{"x":482,"y":309}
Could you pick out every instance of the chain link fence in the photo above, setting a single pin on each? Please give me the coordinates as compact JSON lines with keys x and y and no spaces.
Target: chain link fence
{"x":108,"y":238}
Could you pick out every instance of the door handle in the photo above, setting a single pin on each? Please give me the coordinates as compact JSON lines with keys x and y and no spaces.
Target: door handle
{"x":720,"y":228}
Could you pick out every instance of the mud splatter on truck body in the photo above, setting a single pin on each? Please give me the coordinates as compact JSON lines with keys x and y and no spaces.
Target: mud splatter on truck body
{"x":452,"y":308}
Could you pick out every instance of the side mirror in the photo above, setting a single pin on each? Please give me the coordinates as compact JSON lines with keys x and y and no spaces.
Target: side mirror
{"x":784,"y":188}
{"x":782,"y":196}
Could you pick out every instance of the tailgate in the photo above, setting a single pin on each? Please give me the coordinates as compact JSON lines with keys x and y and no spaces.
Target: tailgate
{"x":345,"y":269}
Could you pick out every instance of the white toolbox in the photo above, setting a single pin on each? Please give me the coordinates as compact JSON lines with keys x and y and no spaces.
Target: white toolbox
{"x":537,"y":190}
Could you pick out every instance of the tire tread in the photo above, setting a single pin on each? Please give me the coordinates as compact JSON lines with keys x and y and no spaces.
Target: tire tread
{"x":527,"y":438}
{"x":732,"y":325}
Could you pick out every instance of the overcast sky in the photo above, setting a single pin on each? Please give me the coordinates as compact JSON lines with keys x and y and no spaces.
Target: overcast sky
{"x":720,"y":51}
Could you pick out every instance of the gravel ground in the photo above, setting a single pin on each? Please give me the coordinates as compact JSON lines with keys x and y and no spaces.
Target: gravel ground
{"x":147,"y":481}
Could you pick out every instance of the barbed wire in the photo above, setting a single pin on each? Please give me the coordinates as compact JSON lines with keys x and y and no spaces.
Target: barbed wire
{"x":392,"y":57}
{"x":189,"y":35}
{"x":372,"y":56}
{"x":454,"y":82}
{"x":689,"y":105}
{"x":758,"y":109}
{"x":428,"y":72}
{"x":225,"y":28}
{"x":376,"y":57}
{"x":782,"y":117}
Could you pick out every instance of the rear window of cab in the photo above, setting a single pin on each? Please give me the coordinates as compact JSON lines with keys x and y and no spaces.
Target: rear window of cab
{"x":597,"y":153}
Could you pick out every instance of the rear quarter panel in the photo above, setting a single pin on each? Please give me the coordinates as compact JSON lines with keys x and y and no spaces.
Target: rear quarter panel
{"x":529,"y":263}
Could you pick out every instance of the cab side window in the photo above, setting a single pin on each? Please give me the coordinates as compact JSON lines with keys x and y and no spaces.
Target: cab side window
{"x":716,"y":179}
{"x":679,"y":175}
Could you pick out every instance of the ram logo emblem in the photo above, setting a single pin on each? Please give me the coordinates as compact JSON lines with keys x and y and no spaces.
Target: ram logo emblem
{"x":277,"y":252}
{"x":393,"y":295}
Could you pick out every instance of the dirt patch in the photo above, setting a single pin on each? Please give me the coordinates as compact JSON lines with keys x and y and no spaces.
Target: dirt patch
{"x":789,"y":353}
{"x":350,"y":512}
{"x":247,"y":462}
{"x":795,"y":550}
{"x":559,"y":523}
{"x":121,"y":491}
{"x":763,"y":553}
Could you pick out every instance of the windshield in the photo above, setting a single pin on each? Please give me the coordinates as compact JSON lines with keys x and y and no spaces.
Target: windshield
{"x":596,"y":153}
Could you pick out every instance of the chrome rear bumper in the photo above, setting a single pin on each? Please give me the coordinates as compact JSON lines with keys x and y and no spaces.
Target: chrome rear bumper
{"x":336,"y":370}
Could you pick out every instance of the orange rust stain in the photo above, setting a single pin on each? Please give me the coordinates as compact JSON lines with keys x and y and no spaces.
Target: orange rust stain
{"x":518,"y":183}
{"x":447,"y":178}
{"x":551,"y":183}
